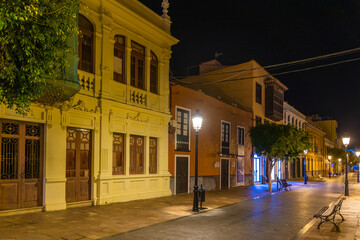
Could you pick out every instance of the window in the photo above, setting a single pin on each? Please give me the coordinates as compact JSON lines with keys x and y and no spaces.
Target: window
{"x":85,"y":44}
{"x":137,"y":66}
{"x":292,"y":120}
{"x":288,"y":121}
{"x":136,"y":154}
{"x":119,"y":56}
{"x":153,"y":155}
{"x":182,"y":130}
{"x":296,"y":123}
{"x":225,"y":138}
{"x":258,"y":120}
{"x":118,"y":154}
{"x":284,"y":118}
{"x":241,"y":136}
{"x":154,"y":74}
{"x":258,"y":93}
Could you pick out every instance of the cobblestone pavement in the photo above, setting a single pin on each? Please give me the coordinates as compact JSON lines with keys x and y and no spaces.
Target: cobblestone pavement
{"x":252,"y":213}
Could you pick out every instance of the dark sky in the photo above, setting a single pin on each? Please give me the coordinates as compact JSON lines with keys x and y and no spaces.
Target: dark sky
{"x":274,"y":31}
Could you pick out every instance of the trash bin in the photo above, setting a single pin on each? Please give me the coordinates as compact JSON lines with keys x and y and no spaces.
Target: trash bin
{"x":201,"y":198}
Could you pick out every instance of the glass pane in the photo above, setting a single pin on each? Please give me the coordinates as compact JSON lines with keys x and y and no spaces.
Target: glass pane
{"x":32,"y":159}
{"x":10,"y":128}
{"x":9,"y":158}
{"x":32,"y":130}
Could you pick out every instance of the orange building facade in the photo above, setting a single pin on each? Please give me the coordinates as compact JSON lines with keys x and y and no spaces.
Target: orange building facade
{"x":224,"y":143}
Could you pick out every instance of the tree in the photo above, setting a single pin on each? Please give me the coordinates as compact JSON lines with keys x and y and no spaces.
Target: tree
{"x":34,"y":40}
{"x":276,"y":142}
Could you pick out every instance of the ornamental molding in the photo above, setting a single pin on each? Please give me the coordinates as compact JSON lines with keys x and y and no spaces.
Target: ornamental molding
{"x":80,"y":106}
{"x":137,"y":118}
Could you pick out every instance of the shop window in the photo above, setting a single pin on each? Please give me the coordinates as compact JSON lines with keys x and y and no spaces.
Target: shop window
{"x":136,"y":154}
{"x":85,"y":45}
{"x":119,"y":59}
{"x":118,"y":154}
{"x":153,"y":155}
{"x":137,"y":66}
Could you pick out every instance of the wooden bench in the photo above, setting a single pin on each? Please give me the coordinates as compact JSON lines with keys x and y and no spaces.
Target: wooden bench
{"x":284,"y":185}
{"x":321,"y":179}
{"x":328,"y":214}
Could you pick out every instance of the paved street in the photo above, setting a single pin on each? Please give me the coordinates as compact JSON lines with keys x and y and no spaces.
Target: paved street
{"x":276,"y":216}
{"x":237,"y":213}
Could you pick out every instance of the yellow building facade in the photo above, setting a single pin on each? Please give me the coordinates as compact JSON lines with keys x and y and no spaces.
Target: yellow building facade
{"x":109,"y":143}
{"x":315,"y":158}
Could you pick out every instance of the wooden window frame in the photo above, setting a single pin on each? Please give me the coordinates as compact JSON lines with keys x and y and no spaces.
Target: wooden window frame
{"x":241,"y":136}
{"x":137,"y":57}
{"x":153,"y":155}
{"x":258,"y":93}
{"x":137,"y":166}
{"x":154,"y":68}
{"x":181,"y":140}
{"x":119,"y":52}
{"x":225,"y":137}
{"x":82,"y":65}
{"x":116,"y":168}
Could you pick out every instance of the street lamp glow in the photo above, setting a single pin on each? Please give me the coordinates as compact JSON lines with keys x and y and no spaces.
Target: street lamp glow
{"x":197,"y":119}
{"x":346,"y":140}
{"x":357,"y":153}
{"x":339,"y":159}
{"x":305,"y":152}
{"x":329,"y":157}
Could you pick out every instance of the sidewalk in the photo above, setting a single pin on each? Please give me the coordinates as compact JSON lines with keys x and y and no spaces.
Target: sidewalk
{"x":102,"y":221}
{"x":349,"y":229}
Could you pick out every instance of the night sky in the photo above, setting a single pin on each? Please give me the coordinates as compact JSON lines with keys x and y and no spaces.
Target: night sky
{"x":272,"y":32}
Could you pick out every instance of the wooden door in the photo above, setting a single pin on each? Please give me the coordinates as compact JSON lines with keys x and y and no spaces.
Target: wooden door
{"x":21,"y":165}
{"x":182,"y":175}
{"x":224,"y":173}
{"x":78,"y":159}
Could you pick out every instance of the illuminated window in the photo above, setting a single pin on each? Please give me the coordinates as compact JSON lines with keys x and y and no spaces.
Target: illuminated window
{"x":153,"y":155}
{"x":154,"y":74}
{"x":182,"y":129}
{"x":119,"y":56}
{"x":85,"y":44}
{"x":137,"y":66}
{"x":118,"y":154}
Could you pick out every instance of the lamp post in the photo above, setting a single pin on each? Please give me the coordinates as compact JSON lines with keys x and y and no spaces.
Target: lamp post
{"x":305,"y":177}
{"x":339,"y":169}
{"x":197,"y":122}
{"x":346,"y":141}
{"x":329,"y":157}
{"x":358,"y":155}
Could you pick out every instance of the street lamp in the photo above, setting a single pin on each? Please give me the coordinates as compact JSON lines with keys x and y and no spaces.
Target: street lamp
{"x":339,"y":168}
{"x":329,"y":157}
{"x":346,"y":141}
{"x":197,"y":119}
{"x":305,"y":177}
{"x":358,"y":155}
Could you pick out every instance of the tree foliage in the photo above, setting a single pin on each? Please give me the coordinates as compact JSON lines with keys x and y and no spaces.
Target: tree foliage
{"x":34,"y":37}
{"x":276,"y":142}
{"x":338,"y":153}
